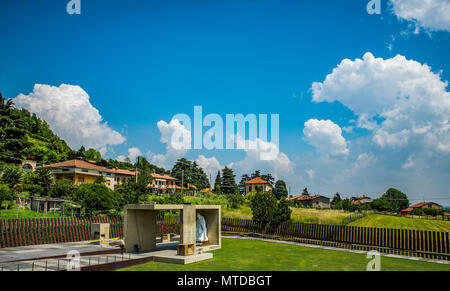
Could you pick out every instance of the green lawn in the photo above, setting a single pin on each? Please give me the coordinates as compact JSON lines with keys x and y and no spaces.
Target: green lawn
{"x":305,"y":215}
{"x":253,"y":255}
{"x":388,"y":221}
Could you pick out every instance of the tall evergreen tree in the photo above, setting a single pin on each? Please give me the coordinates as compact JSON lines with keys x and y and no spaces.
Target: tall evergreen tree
{"x":280,"y":191}
{"x":217,"y":184}
{"x":228,"y":183}
{"x":336,"y":199}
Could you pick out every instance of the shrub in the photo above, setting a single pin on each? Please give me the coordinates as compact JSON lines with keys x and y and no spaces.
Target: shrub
{"x":97,"y":197}
{"x":33,"y":190}
{"x":263,"y":206}
{"x":5,"y":193}
{"x":62,"y":189}
{"x":282,"y":212}
{"x":174,"y":198}
{"x":235,"y":200}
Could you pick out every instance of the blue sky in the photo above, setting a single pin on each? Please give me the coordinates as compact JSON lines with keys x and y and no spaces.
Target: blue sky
{"x":142,"y":62}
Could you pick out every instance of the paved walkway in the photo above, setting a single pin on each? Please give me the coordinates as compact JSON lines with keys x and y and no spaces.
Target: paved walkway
{"x":29,"y":256}
{"x":49,"y":250}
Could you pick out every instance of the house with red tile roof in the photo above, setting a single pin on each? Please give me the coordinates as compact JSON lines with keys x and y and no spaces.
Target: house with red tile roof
{"x":361,"y":200}
{"x":422,"y":205}
{"x":253,"y":184}
{"x":163,"y":183}
{"x":316,"y":201}
{"x":80,"y":172}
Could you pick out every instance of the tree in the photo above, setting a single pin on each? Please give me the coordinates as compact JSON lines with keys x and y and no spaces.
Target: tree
{"x":397,"y":200}
{"x":97,"y":197}
{"x":336,"y":199}
{"x":280,"y":191}
{"x":228,"y":183}
{"x":381,"y":204}
{"x":44,"y":178}
{"x":217,"y":184}
{"x":244,"y":179}
{"x":235,"y":200}
{"x":282,"y":212}
{"x":263,"y":206}
{"x":188,"y":172}
{"x":5,"y":193}
{"x":11,"y":176}
{"x":305,"y":191}
{"x":268,"y":178}
{"x":132,"y":191}
{"x":93,"y":155}
{"x":256,"y":174}
{"x":63,"y":189}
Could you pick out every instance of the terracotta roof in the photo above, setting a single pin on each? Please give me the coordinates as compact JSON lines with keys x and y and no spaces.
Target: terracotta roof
{"x":303,"y":197}
{"x":422,"y":204}
{"x":163,"y":176}
{"x":78,"y":164}
{"x":407,"y":209}
{"x":124,"y":172}
{"x":257,"y":181}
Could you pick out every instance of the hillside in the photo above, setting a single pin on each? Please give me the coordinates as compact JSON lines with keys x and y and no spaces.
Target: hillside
{"x":389,"y":221}
{"x":24,"y":135}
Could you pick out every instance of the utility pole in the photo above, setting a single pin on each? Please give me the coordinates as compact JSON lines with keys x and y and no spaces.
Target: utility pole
{"x":182,"y":181}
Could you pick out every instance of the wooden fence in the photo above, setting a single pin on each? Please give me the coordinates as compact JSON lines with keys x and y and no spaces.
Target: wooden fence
{"x":34,"y":231}
{"x":427,"y":244}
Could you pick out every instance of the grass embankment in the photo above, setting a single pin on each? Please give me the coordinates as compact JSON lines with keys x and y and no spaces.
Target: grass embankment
{"x":12,"y":214}
{"x":389,"y":221}
{"x":305,"y":215}
{"x":253,"y":255}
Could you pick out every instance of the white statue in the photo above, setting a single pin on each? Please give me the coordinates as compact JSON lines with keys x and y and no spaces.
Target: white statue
{"x":201,"y":233}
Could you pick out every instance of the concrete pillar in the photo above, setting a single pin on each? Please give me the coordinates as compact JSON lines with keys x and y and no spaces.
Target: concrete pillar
{"x":188,"y":223}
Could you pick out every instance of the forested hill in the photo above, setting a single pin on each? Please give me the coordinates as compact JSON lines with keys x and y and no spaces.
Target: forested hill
{"x":24,"y":135}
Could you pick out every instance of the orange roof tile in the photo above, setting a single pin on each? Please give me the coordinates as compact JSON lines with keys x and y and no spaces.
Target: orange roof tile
{"x":163,"y":176}
{"x":303,"y":197}
{"x":78,"y":164}
{"x":257,"y":181}
{"x":421,"y":204}
{"x":124,"y":172}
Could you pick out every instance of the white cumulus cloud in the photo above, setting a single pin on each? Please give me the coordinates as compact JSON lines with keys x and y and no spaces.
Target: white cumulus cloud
{"x":70,"y":114}
{"x":280,"y":167}
{"x":326,"y":136}
{"x":133,"y":153}
{"x":402,"y":101}
{"x":177,"y":139}
{"x":432,"y":15}
{"x":210,"y":165}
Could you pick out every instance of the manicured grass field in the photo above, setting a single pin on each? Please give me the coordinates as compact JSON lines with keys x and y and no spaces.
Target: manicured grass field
{"x":253,"y":255}
{"x":12,"y":214}
{"x":305,"y":215}
{"x":388,"y":221}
